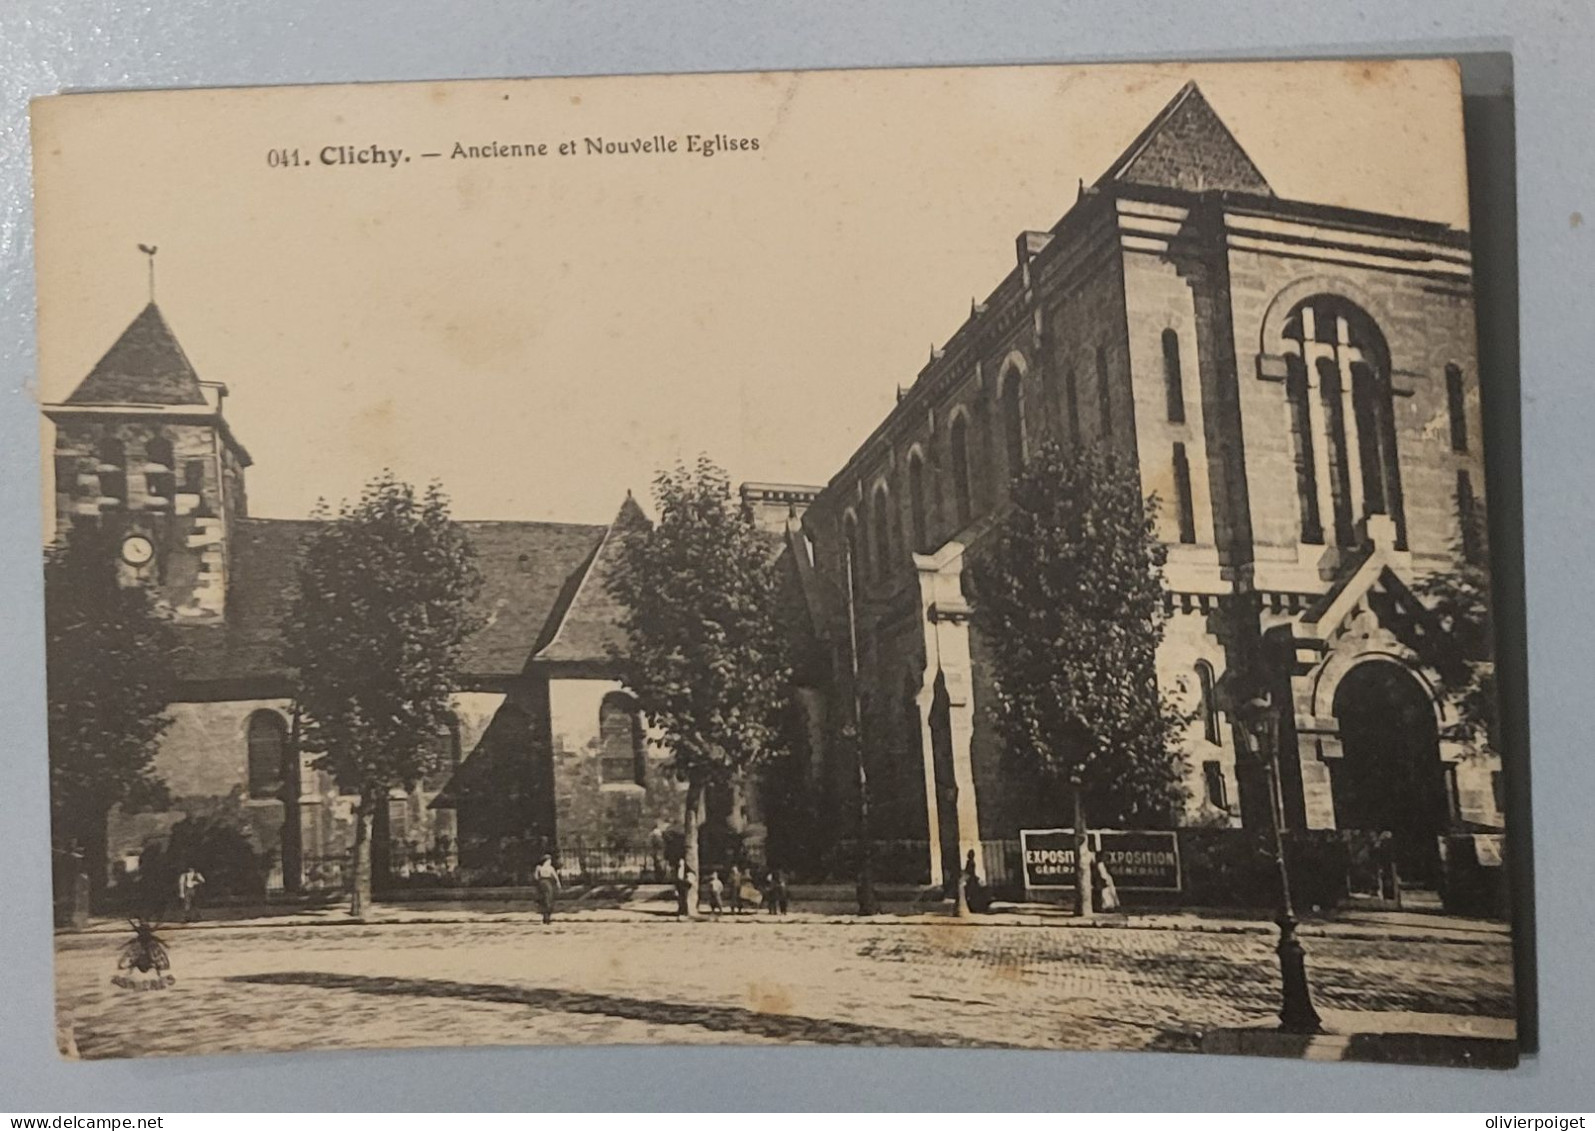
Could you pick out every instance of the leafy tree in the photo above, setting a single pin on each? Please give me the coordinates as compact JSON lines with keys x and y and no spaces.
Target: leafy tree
{"x":1460,"y":600}
{"x":1068,"y":597}
{"x":374,"y":637}
{"x":218,"y":844}
{"x":110,"y":677}
{"x":706,"y":659}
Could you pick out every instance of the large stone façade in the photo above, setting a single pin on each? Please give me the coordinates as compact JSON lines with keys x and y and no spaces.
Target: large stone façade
{"x":1297,"y":384}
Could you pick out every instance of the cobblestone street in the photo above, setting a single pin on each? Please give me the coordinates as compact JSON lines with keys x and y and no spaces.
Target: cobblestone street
{"x":736,"y":981}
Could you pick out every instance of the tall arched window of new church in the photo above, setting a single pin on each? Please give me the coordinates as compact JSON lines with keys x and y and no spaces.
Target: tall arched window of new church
{"x":267,"y":750}
{"x":1173,"y":378}
{"x":958,"y":443}
{"x":1342,"y":420}
{"x":1207,"y":687}
{"x":917,"y":516}
{"x":1013,"y":423}
{"x":622,"y":756}
{"x":880,"y":513}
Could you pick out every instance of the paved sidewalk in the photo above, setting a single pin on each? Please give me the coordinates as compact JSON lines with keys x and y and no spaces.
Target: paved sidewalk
{"x":649,"y":906}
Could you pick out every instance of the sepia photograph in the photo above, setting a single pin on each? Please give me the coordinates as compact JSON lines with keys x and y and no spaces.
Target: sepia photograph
{"x":951,"y":557}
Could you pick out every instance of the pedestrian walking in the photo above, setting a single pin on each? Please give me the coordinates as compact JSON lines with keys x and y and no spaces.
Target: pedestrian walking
{"x":716,"y":888}
{"x":976,"y":897}
{"x":777,"y":899}
{"x":189,"y":881}
{"x":734,"y":888}
{"x":546,"y":877}
{"x":1107,"y":891}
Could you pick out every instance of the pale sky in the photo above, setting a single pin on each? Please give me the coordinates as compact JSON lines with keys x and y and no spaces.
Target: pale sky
{"x":541,"y":334}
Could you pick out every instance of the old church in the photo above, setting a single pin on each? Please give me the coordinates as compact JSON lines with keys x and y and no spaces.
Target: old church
{"x":545,"y":746}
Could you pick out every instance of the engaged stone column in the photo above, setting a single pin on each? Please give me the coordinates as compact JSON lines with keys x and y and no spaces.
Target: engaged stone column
{"x":946,"y":626}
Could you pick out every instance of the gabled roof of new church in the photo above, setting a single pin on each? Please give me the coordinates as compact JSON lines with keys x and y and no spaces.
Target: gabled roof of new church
{"x":1187,"y":147}
{"x":145,"y":366}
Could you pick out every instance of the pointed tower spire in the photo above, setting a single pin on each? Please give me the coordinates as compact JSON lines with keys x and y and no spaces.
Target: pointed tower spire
{"x":144,"y":366}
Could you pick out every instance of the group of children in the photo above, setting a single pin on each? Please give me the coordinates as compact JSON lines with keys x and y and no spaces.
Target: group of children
{"x":737,"y":890}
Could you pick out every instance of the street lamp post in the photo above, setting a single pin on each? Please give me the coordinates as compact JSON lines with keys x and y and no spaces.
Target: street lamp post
{"x":1296,"y":1013}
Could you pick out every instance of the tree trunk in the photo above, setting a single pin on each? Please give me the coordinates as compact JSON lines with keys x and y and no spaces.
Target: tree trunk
{"x":691,"y":820}
{"x":96,"y":849}
{"x":360,"y":888}
{"x":381,"y":843}
{"x":1084,"y":896}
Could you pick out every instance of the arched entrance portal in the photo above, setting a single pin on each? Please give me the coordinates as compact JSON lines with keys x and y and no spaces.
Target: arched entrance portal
{"x":1390,"y":777}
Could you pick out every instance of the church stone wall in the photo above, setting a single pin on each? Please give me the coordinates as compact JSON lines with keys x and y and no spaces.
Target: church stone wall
{"x":178,"y":508}
{"x":1159,"y":299}
{"x":598,"y":813}
{"x":1190,"y":637}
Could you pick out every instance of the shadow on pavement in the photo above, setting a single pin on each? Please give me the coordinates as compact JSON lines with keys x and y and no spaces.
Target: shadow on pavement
{"x":720,"y":1018}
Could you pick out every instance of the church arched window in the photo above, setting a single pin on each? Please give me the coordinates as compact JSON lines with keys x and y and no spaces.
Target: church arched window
{"x":916,"y":501}
{"x":881,"y":515}
{"x":622,"y":755}
{"x":160,"y":478}
{"x":1013,"y":423}
{"x":111,"y":457}
{"x":1335,"y":345}
{"x":268,"y":747}
{"x":1207,"y":686}
{"x":1173,"y":379}
{"x":963,"y":499}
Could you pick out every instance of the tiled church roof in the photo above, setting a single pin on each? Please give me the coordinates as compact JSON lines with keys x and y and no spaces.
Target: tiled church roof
{"x":145,"y":366}
{"x":1188,"y":147}
{"x":525,"y":566}
{"x":590,"y":626}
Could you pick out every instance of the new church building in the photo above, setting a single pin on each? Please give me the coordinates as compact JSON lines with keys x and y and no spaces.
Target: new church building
{"x":1297,"y":384}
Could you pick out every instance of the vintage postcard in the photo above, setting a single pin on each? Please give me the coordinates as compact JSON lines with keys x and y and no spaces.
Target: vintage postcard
{"x":945,"y":557}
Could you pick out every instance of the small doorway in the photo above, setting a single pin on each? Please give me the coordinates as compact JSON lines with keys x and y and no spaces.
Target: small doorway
{"x":1390,"y":777}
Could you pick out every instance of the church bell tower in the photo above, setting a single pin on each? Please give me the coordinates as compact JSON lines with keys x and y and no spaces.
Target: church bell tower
{"x":143,"y":451}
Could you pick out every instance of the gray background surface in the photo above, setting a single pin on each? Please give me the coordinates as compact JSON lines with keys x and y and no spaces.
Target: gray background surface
{"x":48,"y":46}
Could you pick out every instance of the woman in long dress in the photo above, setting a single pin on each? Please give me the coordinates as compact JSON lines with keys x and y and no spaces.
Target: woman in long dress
{"x":1108,"y":892}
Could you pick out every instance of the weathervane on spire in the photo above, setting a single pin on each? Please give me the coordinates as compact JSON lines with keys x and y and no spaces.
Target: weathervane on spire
{"x":149,"y":250}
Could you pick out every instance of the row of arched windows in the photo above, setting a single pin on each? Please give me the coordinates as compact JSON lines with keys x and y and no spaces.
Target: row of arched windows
{"x":159,"y":469}
{"x":880,"y":520}
{"x":622,"y":753}
{"x":270,"y":754}
{"x":874,"y":553}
